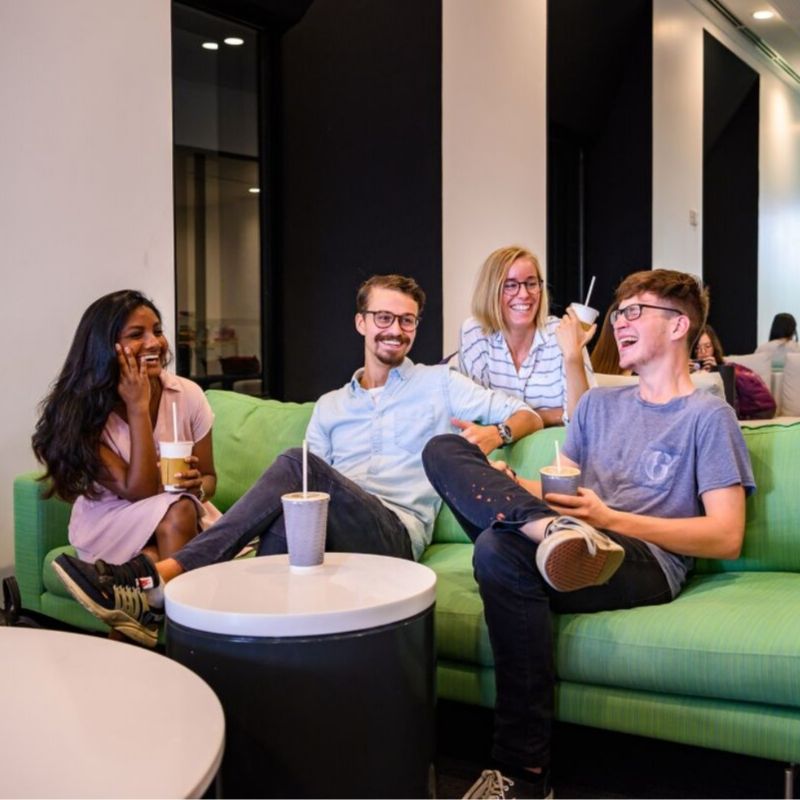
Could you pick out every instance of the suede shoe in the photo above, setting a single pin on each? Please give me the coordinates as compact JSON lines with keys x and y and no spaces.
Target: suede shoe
{"x":115,"y":593}
{"x":574,"y":555}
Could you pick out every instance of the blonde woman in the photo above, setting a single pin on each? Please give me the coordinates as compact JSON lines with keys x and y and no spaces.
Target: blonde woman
{"x":511,"y":343}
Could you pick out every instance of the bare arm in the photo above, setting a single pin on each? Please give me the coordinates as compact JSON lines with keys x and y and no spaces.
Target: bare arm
{"x":718,"y":534}
{"x":487,"y":437}
{"x":140,"y":478}
{"x":572,"y":338}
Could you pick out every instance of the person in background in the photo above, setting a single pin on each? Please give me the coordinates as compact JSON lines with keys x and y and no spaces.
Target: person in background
{"x":782,"y":340}
{"x":753,"y":398}
{"x":605,"y":355}
{"x":99,"y":429}
{"x":511,"y":343}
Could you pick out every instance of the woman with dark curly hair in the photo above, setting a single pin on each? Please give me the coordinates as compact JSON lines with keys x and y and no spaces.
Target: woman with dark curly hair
{"x":99,"y":430}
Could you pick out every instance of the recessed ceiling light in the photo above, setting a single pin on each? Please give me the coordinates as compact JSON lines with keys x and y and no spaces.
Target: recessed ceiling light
{"x":234,"y":40}
{"x":763,"y":14}
{"x":254,"y":190}
{"x":210,"y":46}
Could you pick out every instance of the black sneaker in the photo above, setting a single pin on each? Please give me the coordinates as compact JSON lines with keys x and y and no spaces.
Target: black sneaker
{"x":115,"y":593}
{"x":492,"y":784}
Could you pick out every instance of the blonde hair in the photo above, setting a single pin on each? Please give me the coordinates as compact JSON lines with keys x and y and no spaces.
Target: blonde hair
{"x":487,"y":305}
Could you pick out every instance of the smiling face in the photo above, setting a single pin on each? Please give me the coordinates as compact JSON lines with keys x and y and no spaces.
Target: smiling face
{"x":705,"y":347}
{"x":386,"y":346}
{"x":519,"y":310}
{"x":143,"y":335}
{"x":642,"y":340}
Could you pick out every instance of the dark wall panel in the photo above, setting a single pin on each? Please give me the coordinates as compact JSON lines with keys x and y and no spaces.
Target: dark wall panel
{"x":360,"y":180}
{"x":730,"y":195}
{"x":600,"y":145}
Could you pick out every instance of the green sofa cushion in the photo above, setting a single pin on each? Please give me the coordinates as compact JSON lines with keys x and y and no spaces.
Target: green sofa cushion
{"x":771,"y":539}
{"x":249,"y":433}
{"x":726,"y":636}
{"x":461,"y":633}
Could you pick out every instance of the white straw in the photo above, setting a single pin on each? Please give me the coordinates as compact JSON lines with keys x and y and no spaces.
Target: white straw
{"x":558,"y":459}
{"x":305,"y":468}
{"x":174,"y":422}
{"x":589,"y":293}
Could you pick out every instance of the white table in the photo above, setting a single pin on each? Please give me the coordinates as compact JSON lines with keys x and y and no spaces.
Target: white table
{"x":327,"y":677}
{"x":84,"y":716}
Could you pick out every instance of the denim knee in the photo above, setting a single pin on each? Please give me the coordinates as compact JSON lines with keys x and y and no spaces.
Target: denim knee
{"x":438,"y":448}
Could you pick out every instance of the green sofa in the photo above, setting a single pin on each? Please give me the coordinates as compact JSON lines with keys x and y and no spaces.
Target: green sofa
{"x":719,"y":667}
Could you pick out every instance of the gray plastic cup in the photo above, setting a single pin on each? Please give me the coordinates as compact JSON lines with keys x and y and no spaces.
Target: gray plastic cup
{"x":559,"y":481}
{"x":306,"y":521}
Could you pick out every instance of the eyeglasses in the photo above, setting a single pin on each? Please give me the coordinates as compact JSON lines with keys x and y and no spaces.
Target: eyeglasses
{"x":385,"y":319}
{"x":511,"y":286}
{"x":634,"y":311}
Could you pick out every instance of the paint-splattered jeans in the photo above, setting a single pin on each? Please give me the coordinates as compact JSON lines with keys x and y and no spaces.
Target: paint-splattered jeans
{"x":518,"y":603}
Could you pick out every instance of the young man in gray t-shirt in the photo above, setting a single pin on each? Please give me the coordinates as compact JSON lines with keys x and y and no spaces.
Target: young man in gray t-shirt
{"x":664,"y":473}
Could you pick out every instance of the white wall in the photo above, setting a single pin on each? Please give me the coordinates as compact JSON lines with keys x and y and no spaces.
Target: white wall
{"x":494,"y":139}
{"x":678,"y":154}
{"x":86,"y":201}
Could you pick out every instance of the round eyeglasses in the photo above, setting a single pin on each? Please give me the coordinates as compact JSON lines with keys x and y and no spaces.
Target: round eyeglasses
{"x":385,"y":319}
{"x":511,"y":286}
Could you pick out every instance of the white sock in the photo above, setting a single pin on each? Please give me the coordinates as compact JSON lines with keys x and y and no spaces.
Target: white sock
{"x":155,"y":596}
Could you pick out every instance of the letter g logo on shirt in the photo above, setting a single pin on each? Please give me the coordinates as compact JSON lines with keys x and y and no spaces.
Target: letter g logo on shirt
{"x":658,"y":466}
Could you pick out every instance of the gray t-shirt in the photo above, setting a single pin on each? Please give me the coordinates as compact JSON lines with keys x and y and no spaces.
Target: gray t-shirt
{"x":658,"y":460}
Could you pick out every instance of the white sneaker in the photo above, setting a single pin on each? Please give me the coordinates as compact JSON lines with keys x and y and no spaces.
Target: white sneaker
{"x":574,"y":555}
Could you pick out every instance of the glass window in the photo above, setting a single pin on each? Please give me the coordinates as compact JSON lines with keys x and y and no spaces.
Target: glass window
{"x":217,"y":219}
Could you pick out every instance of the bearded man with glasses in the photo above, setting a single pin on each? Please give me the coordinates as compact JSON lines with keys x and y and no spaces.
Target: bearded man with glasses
{"x":664,"y":471}
{"x":365,"y":442}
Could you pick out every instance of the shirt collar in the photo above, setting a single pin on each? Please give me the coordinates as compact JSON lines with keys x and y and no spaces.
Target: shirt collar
{"x":170,"y":381}
{"x":403,"y":372}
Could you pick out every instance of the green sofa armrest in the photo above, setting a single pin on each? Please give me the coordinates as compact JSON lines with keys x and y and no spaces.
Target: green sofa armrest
{"x":39,"y":526}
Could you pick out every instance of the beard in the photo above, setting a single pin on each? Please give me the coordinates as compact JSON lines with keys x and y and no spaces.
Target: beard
{"x":391,"y":359}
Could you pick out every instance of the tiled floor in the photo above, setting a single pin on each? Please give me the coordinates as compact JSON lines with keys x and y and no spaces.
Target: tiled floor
{"x":591,"y":763}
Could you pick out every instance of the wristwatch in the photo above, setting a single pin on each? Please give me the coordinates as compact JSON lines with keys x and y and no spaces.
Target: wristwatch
{"x":505,"y":433}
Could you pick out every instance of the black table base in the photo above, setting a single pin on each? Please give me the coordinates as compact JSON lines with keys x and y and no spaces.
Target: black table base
{"x":342,"y":715}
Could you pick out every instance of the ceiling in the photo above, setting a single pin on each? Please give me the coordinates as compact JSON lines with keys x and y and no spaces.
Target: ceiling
{"x":781,"y":33}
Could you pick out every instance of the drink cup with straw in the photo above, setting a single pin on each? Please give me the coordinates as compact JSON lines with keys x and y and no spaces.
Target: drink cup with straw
{"x":173,"y":456}
{"x":306,"y":518}
{"x":585,"y":313}
{"x":559,"y":479}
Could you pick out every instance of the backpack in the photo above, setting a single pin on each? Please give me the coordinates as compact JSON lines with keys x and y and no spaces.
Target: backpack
{"x":753,"y":398}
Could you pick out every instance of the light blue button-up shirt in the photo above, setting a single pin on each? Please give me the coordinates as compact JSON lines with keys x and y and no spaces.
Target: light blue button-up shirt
{"x":377,"y":442}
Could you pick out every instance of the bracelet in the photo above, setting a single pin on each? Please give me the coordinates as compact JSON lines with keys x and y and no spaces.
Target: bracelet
{"x":202,"y":496}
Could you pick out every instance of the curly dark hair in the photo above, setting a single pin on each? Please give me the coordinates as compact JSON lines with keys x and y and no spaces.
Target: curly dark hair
{"x":72,"y":416}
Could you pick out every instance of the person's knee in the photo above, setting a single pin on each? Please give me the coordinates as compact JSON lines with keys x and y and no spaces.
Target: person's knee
{"x":182,"y":513}
{"x":497,"y":558}
{"x":438,"y":449}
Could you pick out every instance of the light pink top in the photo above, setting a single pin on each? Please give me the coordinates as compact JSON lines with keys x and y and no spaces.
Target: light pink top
{"x":115,"y":529}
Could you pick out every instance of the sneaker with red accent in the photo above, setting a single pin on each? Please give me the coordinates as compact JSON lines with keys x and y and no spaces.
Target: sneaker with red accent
{"x":115,"y":593}
{"x":574,"y":555}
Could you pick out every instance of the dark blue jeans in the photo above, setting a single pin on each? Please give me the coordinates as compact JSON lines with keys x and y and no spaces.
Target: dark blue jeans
{"x":517,"y":601}
{"x":357,"y":521}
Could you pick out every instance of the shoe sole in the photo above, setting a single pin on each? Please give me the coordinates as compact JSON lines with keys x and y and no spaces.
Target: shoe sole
{"x":568,"y":566}
{"x":114,"y":618}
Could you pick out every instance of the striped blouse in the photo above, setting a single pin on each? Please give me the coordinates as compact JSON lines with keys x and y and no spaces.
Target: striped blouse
{"x":541,"y":380}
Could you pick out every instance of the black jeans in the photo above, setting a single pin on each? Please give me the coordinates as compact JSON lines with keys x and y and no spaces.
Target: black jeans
{"x":517,"y":600}
{"x":357,"y":521}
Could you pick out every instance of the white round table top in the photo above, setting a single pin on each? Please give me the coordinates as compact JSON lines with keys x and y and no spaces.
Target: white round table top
{"x":89,"y":717}
{"x":264,"y":597}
